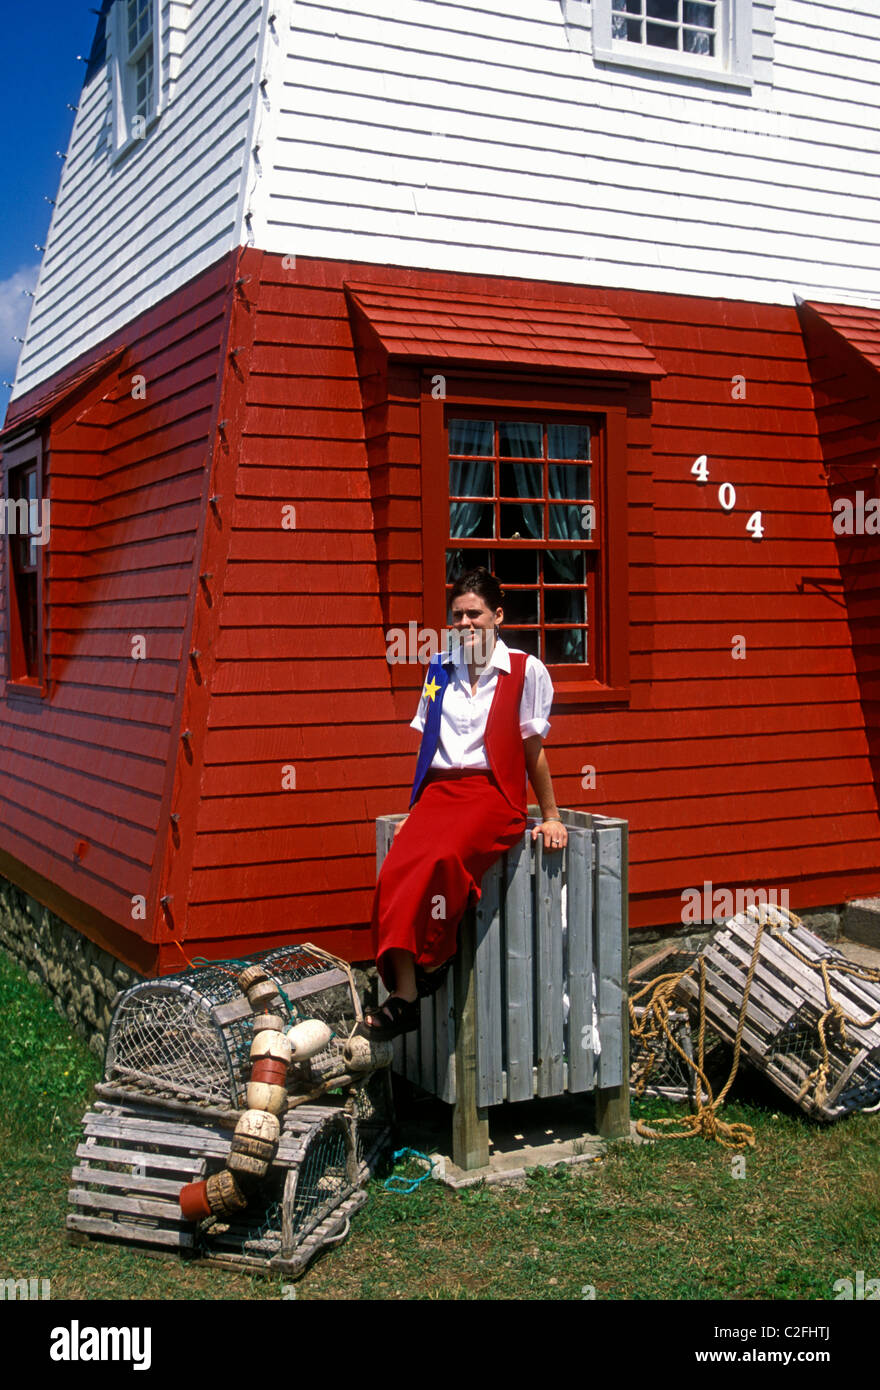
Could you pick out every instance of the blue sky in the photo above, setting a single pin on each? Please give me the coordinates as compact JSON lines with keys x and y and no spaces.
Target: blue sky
{"x":39,"y":74}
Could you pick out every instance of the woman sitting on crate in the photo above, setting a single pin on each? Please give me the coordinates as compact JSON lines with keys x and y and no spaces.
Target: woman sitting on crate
{"x":483,"y":716}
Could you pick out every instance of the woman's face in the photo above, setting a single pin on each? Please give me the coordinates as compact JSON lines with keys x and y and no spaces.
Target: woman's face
{"x":476,"y":622}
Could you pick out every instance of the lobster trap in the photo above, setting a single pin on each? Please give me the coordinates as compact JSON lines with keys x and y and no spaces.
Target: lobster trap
{"x":812,"y":1018}
{"x":186,"y":1039}
{"x":175,"y":1082}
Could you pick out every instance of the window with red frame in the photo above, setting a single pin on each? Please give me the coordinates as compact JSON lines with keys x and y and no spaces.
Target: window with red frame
{"x":523,"y":501}
{"x":22,"y":528}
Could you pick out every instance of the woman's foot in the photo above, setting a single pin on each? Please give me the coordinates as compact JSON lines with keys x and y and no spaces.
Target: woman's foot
{"x":393,"y":1017}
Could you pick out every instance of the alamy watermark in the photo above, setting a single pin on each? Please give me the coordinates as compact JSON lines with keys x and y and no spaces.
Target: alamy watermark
{"x":717,"y":905}
{"x":20,"y":516}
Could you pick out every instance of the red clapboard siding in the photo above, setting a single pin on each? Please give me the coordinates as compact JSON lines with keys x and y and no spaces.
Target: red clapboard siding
{"x":91,"y":762}
{"x":751,"y":772}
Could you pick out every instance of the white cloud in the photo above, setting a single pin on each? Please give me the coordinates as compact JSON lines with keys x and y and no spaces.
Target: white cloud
{"x":14,"y":310}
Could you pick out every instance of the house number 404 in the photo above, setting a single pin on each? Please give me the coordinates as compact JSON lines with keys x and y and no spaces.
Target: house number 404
{"x":727,"y":497}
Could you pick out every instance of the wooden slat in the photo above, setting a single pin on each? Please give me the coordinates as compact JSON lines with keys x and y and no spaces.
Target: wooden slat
{"x":582,"y":1065}
{"x":135,"y":1235}
{"x":162,"y":1187}
{"x":488,"y":989}
{"x":518,"y":944}
{"x":444,"y":1047}
{"x":609,"y":953}
{"x":135,"y":1206}
{"x":181,"y":1163}
{"x":548,"y":958}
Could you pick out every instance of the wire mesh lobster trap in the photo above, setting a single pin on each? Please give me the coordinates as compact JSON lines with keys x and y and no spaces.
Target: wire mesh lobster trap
{"x":177,"y":1065}
{"x":186,"y":1038}
{"x":812,"y":1017}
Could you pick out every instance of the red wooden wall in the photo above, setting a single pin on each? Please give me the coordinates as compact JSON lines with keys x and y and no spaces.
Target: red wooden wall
{"x":749,"y":773}
{"x":95,"y":761}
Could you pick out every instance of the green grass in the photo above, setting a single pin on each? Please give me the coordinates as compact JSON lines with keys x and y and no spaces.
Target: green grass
{"x":653,"y":1221}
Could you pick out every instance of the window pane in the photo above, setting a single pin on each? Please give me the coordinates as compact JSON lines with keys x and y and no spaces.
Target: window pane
{"x":460,"y":562}
{"x":468,"y":519}
{"x":567,"y":524}
{"x":662,"y":9}
{"x":521,"y":523}
{"x":661,"y":36}
{"x":564,"y":567}
{"x":524,"y":639}
{"x":565,"y":605}
{"x":471,"y":437}
{"x":520,"y":606}
{"x":516,"y":566}
{"x":520,"y":440}
{"x":568,"y":480}
{"x":698,"y":41}
{"x":471,"y":478}
{"x":521,"y":479}
{"x":139,"y":22}
{"x":568,"y":441}
{"x":566,"y":646}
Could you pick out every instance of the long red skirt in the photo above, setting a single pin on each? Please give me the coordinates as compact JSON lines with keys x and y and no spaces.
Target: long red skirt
{"x":457,"y":829}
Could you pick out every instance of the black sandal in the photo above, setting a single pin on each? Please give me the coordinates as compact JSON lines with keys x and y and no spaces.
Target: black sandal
{"x":428,"y":982}
{"x":404,"y":1016}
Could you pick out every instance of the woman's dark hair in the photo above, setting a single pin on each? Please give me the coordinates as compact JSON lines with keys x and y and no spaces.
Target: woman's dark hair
{"x":481,"y":583}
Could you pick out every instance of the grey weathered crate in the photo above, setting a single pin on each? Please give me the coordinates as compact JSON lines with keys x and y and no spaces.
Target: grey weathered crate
{"x":547,"y":925}
{"x":787,"y":999}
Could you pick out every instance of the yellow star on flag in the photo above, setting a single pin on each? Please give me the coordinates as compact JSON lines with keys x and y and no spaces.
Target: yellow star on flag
{"x":431,"y":688}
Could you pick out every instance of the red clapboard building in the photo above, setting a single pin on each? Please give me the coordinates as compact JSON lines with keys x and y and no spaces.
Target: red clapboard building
{"x":329,"y":310}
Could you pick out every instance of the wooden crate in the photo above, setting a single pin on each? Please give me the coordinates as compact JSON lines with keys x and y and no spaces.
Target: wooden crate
{"x":787,"y":999}
{"x":135,"y":1158}
{"x":547,"y":993}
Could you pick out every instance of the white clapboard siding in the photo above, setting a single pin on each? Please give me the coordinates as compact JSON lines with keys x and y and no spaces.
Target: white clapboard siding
{"x":126,"y":234}
{"x":463,"y":136}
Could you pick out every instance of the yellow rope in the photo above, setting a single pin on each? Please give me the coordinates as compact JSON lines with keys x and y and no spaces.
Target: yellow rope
{"x":655,"y":1023}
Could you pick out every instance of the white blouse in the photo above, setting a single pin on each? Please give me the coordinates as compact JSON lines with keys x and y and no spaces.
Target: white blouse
{"x":463,"y":716}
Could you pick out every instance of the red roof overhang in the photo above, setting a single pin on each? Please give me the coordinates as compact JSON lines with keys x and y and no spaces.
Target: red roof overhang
{"x":857,"y":326}
{"x":462,"y":327}
{"x":33,"y":407}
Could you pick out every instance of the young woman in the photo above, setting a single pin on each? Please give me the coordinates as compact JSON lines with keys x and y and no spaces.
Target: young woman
{"x":483,"y":717}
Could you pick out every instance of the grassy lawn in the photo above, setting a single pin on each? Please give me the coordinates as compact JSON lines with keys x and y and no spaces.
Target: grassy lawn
{"x":653,"y":1221}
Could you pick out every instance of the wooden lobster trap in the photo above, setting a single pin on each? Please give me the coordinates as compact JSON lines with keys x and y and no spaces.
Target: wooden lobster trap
{"x":175,"y":1086}
{"x":812,"y":1018}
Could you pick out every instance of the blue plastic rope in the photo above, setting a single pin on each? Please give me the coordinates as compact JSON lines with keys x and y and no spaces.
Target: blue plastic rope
{"x":409,"y":1184}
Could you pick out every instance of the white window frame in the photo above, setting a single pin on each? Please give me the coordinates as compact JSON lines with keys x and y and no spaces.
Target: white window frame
{"x":731,"y":65}
{"x":123,"y":80}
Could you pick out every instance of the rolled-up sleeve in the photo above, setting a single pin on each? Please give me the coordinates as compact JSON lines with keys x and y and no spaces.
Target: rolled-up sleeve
{"x":537,"y":697}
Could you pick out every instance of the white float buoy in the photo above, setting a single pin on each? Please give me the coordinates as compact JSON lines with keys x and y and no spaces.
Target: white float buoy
{"x":308,"y":1037}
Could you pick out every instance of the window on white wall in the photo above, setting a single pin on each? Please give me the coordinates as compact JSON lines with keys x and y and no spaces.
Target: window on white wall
{"x":133,"y":46}
{"x":708,"y":38}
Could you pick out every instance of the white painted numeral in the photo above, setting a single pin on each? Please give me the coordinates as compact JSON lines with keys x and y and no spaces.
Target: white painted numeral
{"x":755,"y":526}
{"x":727,"y":496}
{"x":700,"y":469}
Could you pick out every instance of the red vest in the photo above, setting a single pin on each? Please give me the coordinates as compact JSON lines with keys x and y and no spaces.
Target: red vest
{"x":505,"y":749}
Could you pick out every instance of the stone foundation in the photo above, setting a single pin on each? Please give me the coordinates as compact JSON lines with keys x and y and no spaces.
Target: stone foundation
{"x":81,"y":978}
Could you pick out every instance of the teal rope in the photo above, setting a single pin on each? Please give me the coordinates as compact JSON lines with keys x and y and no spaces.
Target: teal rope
{"x":409,"y":1184}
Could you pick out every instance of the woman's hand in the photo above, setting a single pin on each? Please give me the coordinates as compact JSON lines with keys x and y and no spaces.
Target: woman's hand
{"x":554,"y":832}
{"x":399,"y":826}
